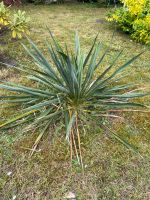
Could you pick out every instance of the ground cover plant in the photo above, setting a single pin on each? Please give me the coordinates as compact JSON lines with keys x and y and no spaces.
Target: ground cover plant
{"x":134,"y":18}
{"x":111,"y":170}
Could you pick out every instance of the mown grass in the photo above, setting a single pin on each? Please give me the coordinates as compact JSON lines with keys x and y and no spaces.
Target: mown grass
{"x":111,"y":170}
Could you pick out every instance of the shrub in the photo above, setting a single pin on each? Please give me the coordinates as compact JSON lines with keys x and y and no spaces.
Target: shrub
{"x":133,"y":18}
{"x":142,"y":29}
{"x":67,"y":90}
{"x":17,"y":23}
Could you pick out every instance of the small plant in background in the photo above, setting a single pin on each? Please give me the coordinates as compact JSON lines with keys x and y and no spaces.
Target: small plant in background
{"x":133,"y":18}
{"x":67,"y":90}
{"x":18,"y":23}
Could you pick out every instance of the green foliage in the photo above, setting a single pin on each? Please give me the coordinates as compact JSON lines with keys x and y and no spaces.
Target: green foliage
{"x":18,"y":23}
{"x":67,"y":90}
{"x":133,"y":18}
{"x":123,"y":18}
{"x":142,"y":29}
{"x":4,"y":15}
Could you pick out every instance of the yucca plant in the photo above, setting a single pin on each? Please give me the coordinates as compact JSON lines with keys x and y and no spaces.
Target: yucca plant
{"x":69,"y":89}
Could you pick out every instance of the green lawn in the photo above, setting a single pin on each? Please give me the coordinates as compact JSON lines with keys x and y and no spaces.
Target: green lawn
{"x":111,"y":170}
